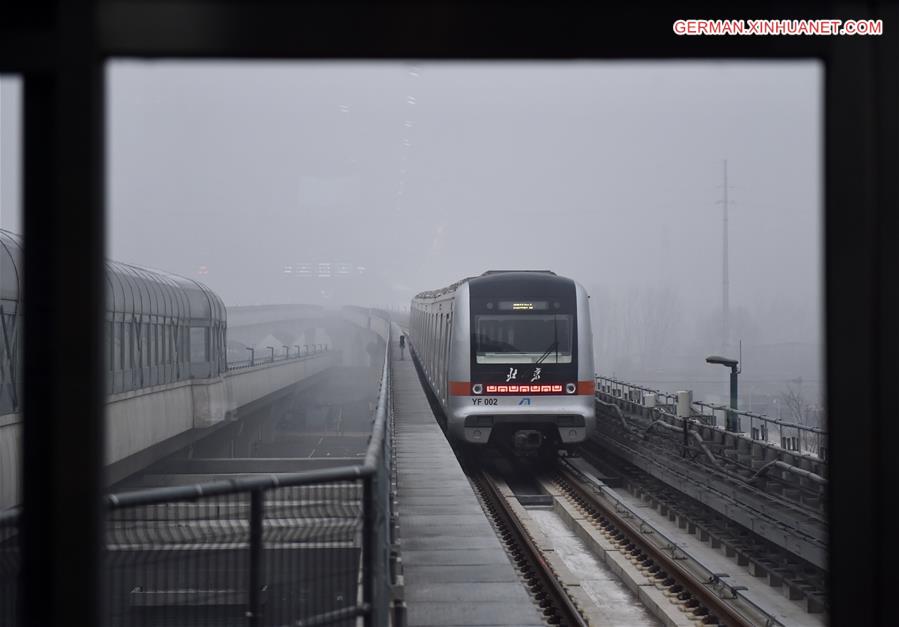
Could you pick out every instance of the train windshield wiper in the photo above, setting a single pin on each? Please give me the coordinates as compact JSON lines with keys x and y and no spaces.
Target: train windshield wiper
{"x":549,"y":349}
{"x":553,"y":345}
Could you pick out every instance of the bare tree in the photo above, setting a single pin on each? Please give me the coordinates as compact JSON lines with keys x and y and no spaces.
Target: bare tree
{"x":803,"y":413}
{"x":635,"y":328}
{"x":793,"y":400}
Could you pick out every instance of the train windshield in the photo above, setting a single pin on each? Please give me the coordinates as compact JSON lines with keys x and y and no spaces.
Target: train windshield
{"x":523,"y":338}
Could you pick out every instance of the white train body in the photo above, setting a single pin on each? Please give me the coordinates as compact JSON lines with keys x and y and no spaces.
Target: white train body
{"x":509,"y":356}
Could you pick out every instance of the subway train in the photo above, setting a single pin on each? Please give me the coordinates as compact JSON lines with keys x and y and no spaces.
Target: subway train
{"x":509,"y":357}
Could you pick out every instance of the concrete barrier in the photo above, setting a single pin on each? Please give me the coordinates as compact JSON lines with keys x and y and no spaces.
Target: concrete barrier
{"x":10,"y":459}
{"x":144,"y":425}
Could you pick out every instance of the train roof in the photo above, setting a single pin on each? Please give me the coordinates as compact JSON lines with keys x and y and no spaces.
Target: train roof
{"x":491,"y":276}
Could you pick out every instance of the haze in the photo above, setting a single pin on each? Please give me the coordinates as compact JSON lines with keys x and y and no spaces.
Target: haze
{"x":408,"y":176}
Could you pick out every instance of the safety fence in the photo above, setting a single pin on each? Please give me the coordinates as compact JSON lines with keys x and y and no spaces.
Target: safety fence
{"x":301,"y":549}
{"x":249,"y":552}
{"x":272,"y":355}
{"x":790,"y":436}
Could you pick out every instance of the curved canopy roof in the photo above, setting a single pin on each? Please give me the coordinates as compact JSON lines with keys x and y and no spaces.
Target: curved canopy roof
{"x":136,"y":290}
{"x":10,"y":268}
{"x":130,"y":289}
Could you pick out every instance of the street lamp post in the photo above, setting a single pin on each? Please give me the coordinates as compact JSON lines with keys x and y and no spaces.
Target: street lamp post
{"x":732,"y":423}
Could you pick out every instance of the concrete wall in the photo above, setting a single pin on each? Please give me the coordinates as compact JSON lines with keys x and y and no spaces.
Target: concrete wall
{"x":140,"y":420}
{"x":250,"y":384}
{"x":137,"y":421}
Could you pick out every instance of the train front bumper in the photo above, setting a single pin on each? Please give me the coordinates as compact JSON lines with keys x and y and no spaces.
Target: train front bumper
{"x":473,"y":419}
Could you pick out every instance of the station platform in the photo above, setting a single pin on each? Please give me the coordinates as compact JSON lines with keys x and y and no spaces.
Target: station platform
{"x":456,"y":572}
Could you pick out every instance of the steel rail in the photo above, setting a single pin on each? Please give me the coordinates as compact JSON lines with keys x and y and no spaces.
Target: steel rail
{"x":814,"y":538}
{"x":721,"y":475}
{"x":697,"y":510}
{"x":563,"y":602}
{"x":637,"y":530}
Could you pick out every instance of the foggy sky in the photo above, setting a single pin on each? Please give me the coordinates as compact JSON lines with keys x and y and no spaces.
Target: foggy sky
{"x":428,"y":172}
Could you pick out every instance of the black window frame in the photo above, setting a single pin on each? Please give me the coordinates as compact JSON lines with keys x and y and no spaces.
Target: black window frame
{"x":60,"y":48}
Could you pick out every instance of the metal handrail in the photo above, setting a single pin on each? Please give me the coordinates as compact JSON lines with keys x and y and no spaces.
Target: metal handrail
{"x":374,"y":472}
{"x":635,"y":386}
{"x":374,"y":515}
{"x":714,"y":406}
{"x":253,"y":362}
{"x":778,"y":421}
{"x":704,"y":413}
{"x":170,"y":494}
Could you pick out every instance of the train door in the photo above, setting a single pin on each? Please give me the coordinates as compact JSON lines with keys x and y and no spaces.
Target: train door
{"x":447,"y":334}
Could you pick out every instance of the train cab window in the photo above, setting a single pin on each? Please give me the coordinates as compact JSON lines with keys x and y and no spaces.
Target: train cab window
{"x":523,"y":339}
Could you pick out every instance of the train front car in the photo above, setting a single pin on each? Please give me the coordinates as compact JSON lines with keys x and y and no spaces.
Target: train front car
{"x":526,"y":379}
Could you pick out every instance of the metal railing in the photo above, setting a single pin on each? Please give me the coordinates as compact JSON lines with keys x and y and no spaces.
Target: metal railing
{"x":304,"y":351}
{"x":301,"y":549}
{"x":790,"y":436}
{"x":632,"y":391}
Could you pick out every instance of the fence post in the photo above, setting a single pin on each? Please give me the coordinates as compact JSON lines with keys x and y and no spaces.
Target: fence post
{"x":382,"y":528}
{"x":368,"y":549}
{"x":256,"y":511}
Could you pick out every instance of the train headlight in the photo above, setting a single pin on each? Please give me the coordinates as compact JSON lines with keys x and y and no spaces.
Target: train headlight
{"x":571,"y":388}
{"x":477,"y":388}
